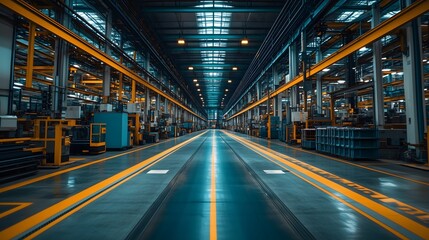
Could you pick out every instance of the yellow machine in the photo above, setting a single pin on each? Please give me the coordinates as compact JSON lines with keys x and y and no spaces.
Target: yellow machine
{"x":53,"y":135}
{"x":88,"y":139}
{"x":135,"y":126}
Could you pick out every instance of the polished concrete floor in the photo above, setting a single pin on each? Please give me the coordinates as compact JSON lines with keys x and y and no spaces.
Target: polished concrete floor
{"x":218,"y":185}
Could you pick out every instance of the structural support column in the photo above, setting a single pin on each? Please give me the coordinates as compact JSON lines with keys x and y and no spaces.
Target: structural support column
{"x":147,"y":67}
{"x":378,"y":98}
{"x":280,"y":106}
{"x":61,"y":68}
{"x":306,"y":82}
{"x":133,"y":91}
{"x":147,"y":104}
{"x":258,"y":91}
{"x":319,"y":84}
{"x":121,"y":80}
{"x":30,"y":55}
{"x":277,"y":106}
{"x":350,"y":70}
{"x":413,"y":87}
{"x":7,"y":46}
{"x":293,"y":71}
{"x":106,"y":82}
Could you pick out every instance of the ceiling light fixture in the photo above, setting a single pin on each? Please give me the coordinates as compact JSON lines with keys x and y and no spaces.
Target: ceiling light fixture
{"x":181,"y":41}
{"x":198,"y":89}
{"x":195,"y":80}
{"x":326,"y":70}
{"x":341,"y":81}
{"x":229,"y":81}
{"x":197,"y":84}
{"x":190,"y":68}
{"x":386,"y":69}
{"x":234,"y":68}
{"x":226,"y":90}
{"x":244,"y":41}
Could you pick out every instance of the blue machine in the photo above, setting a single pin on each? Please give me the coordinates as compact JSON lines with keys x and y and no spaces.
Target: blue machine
{"x":117,"y":135}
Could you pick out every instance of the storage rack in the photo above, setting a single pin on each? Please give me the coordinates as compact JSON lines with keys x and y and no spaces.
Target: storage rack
{"x":350,"y":143}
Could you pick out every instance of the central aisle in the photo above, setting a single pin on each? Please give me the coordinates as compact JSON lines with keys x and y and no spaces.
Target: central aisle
{"x":243,"y":210}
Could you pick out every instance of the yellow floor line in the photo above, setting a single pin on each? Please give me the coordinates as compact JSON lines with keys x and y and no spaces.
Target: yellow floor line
{"x":68,"y":214}
{"x":354,"y":164}
{"x":411,"y":210}
{"x":20,"y":205}
{"x":213,"y":221}
{"x":383,"y":225}
{"x":50,"y":212}
{"x":37,"y":179}
{"x":403,"y":221}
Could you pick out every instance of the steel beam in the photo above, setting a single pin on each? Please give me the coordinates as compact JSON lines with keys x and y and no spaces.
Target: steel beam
{"x":213,"y":36}
{"x":34,"y":15}
{"x":224,"y":49}
{"x":210,"y":9}
{"x":216,"y":70}
{"x":406,"y":15}
{"x":224,"y":65}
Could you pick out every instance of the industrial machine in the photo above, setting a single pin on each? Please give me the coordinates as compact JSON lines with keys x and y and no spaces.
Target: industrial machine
{"x":163,"y":126}
{"x":136,"y":128}
{"x":18,"y":156}
{"x":263,"y":128}
{"x":254,"y":128}
{"x":188,"y":126}
{"x":293,"y":130}
{"x":54,"y":136}
{"x":117,"y":134}
{"x":273,"y":127}
{"x":88,"y":139}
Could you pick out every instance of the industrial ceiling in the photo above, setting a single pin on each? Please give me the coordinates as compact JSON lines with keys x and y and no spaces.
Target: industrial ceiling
{"x":206,"y":40}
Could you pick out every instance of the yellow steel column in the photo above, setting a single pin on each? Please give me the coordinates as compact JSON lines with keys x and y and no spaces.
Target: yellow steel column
{"x":269,"y":127}
{"x":30,"y":55}
{"x":121,"y":78}
{"x":294,"y":132}
{"x":58,"y":144}
{"x":133,"y":90}
{"x":133,"y":83}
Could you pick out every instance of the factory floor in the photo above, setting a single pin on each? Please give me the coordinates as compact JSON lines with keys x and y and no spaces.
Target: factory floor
{"x":217,"y":184}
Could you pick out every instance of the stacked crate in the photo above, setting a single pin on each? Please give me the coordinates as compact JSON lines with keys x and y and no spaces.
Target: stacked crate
{"x":350,"y":143}
{"x":308,"y":140}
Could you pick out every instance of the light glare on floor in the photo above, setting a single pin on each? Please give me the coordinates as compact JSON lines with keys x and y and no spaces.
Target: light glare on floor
{"x":157,"y":172}
{"x":274,"y":172}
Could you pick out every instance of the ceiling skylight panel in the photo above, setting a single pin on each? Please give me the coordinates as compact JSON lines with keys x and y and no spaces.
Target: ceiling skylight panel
{"x":94,"y":20}
{"x":349,"y":16}
{"x":365,"y":3}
